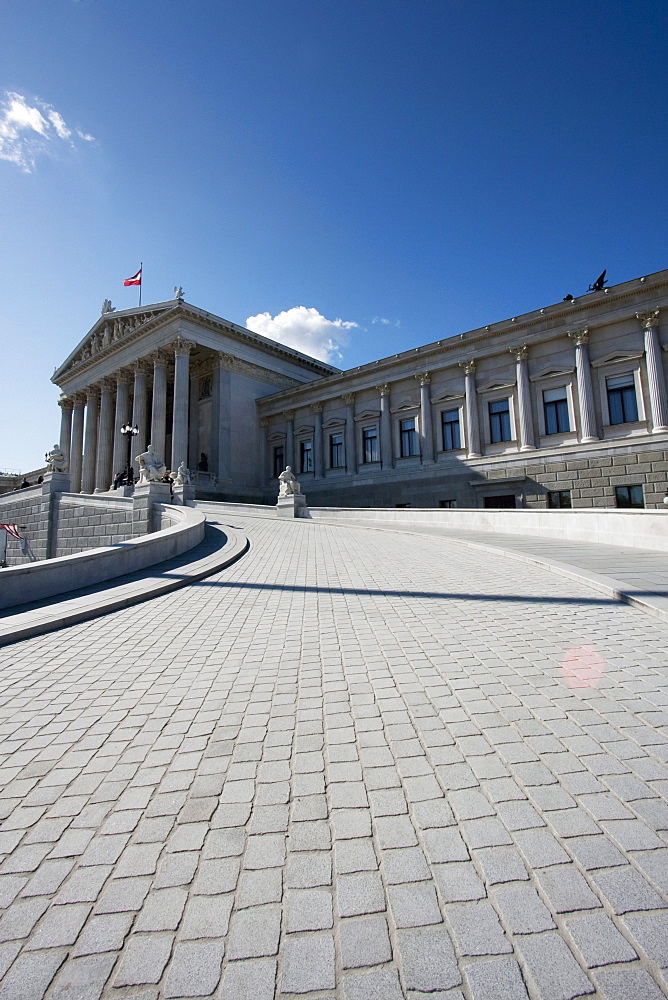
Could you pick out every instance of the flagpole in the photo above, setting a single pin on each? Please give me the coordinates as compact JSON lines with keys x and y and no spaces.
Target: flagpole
{"x":141,"y":278}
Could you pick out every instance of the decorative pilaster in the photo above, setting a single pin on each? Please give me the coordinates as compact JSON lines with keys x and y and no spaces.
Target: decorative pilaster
{"x":527,"y":438}
{"x":66,"y":405}
{"x":386,"y":449}
{"x":351,"y":457}
{"x":159,"y":408}
{"x":182,"y":350}
{"x":585,"y":389}
{"x":141,"y":369}
{"x":105,"y":436}
{"x":318,"y":451}
{"x":289,"y":437}
{"x":656,"y":378}
{"x":90,"y":443}
{"x":121,"y":417}
{"x":76,"y":444}
{"x":472,"y":420}
{"x":426,"y":423}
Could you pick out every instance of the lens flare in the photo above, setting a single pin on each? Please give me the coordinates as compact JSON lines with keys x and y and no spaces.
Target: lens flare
{"x":582,"y":666}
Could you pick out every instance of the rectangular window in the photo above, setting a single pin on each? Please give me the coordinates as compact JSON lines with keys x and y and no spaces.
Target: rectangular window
{"x":370,"y":444}
{"x":336,"y":451}
{"x":629,"y":496}
{"x":622,"y":403}
{"x":306,"y":456}
{"x":447,"y":503}
{"x":559,"y":498}
{"x":555,"y":408}
{"x":499,"y":420}
{"x":408,"y":435}
{"x":451,"y":436}
{"x":279,"y":460}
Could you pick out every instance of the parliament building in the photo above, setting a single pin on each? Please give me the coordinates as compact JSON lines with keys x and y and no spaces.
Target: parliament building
{"x":565,"y":406}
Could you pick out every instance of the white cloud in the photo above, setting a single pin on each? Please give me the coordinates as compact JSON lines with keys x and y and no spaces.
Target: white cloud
{"x":27,"y":130}
{"x":306,"y":330}
{"x":385,"y":322}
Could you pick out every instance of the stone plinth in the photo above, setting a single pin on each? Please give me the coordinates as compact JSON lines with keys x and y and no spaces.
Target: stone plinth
{"x":184,"y":495}
{"x":56,"y":482}
{"x":292,"y":506}
{"x":145,"y":496}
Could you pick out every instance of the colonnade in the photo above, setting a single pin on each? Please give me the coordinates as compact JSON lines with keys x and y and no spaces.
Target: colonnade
{"x":91,"y":420}
{"x":525,"y":423}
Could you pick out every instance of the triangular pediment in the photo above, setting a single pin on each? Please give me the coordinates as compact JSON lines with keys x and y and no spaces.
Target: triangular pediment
{"x":495,"y":386}
{"x":109,"y":331}
{"x":405,"y":405}
{"x":551,"y":371}
{"x":367,"y":415}
{"x":333,"y":422}
{"x":304,"y":429}
{"x":615,"y":357}
{"x":447,"y":397}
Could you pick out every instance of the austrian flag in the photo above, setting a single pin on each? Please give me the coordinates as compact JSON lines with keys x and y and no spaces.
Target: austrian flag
{"x":134,"y":280}
{"x":13,"y":530}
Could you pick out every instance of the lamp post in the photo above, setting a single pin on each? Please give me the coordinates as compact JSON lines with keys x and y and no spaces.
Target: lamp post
{"x":130,"y":432}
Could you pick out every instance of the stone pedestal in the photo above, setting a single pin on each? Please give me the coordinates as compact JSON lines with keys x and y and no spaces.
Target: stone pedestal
{"x":53,"y":484}
{"x":145,"y":496}
{"x":292,"y":506}
{"x":184,"y":495}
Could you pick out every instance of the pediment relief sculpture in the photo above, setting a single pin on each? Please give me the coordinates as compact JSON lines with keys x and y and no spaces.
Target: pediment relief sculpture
{"x":109,"y":333}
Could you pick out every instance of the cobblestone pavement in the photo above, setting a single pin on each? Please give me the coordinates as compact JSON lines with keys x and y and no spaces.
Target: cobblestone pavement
{"x":355,"y":764}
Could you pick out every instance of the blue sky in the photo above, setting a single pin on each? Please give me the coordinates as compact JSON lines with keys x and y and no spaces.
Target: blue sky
{"x":412,"y":168}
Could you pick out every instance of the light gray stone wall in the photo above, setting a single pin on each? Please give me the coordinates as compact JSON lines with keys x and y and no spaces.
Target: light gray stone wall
{"x":25,"y":508}
{"x":84,"y":526}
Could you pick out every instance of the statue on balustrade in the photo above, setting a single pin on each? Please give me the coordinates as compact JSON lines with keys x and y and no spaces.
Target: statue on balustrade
{"x":289,"y":485}
{"x":55,"y":460}
{"x":151,"y":468}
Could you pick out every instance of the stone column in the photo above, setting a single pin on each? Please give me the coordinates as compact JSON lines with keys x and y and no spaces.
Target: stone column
{"x":472,"y":420}
{"x":66,"y":405}
{"x":90,"y":443}
{"x":141,"y":369}
{"x":105,"y":436}
{"x":318,"y":452}
{"x":121,"y":417}
{"x":76,"y":445}
{"x":527,"y":440}
{"x":426,"y":423}
{"x":656,"y":378}
{"x":386,"y":448}
{"x":159,"y":409}
{"x":585,"y":389}
{"x":351,"y":450}
{"x":221,"y":426}
{"x":182,"y":350}
{"x":289,"y":438}
{"x":193,"y":426}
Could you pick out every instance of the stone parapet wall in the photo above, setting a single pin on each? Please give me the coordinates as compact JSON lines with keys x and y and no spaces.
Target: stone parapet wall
{"x":25,"y":508}
{"x":90,"y":522}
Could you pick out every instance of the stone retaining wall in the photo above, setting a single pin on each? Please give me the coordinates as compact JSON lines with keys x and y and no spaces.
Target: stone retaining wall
{"x":88,"y":523}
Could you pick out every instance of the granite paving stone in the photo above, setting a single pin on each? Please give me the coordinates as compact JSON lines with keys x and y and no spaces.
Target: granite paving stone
{"x":349,"y":766}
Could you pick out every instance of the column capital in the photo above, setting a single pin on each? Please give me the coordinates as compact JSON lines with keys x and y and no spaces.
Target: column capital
{"x":317,"y":407}
{"x":92,"y":392}
{"x":78,"y":398}
{"x":182,"y":346}
{"x":348,"y":398}
{"x":289,"y":414}
{"x":142,"y":366}
{"x":107,"y":384}
{"x":123,"y":376}
{"x":520,"y":353}
{"x":579,"y":337}
{"x":159,"y":358}
{"x":384,"y":389}
{"x":468,"y":366}
{"x":648,"y":319}
{"x":66,"y":402}
{"x":424,"y":378}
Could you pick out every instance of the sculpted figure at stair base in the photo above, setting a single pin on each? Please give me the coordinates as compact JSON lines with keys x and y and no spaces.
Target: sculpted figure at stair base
{"x":151,"y":468}
{"x":182,"y":477}
{"x":55,"y":460}
{"x":288,"y":484}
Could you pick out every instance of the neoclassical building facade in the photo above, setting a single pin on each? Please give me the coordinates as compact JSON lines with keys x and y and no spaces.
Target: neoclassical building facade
{"x":563,"y":406}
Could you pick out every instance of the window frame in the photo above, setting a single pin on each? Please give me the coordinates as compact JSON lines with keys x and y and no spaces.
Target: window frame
{"x":630,"y":505}
{"x":306,"y":451}
{"x":622,"y":392}
{"x":375,"y":450}
{"x":276,"y":449}
{"x":560,"y":494}
{"x":336,"y":449}
{"x":450,"y":424}
{"x":503,"y":413}
{"x":414,"y":439}
{"x":557,"y":410}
